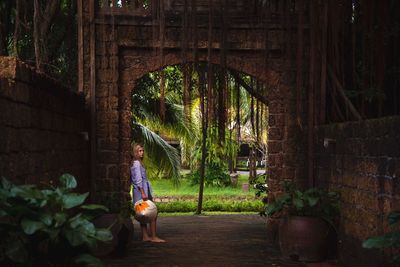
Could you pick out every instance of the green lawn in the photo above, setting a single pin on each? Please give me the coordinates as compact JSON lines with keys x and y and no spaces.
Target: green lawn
{"x":216,"y":200}
{"x":165,"y":187}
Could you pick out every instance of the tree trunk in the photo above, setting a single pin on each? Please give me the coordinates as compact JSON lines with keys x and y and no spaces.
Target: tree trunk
{"x":204,"y":139}
{"x":43,"y":17}
{"x":253,"y":164}
{"x":162,"y":95}
{"x":4,"y":27}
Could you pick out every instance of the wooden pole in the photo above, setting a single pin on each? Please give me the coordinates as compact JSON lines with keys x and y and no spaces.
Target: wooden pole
{"x":299,"y":59}
{"x":340,"y":89}
{"x":80,"y":46}
{"x":311,"y":99}
{"x":92,"y":96}
{"x":324,"y":42}
{"x":204,"y":117}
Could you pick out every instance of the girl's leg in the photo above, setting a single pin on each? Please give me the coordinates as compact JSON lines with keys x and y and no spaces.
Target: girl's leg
{"x":145,"y":235}
{"x":154,"y":237}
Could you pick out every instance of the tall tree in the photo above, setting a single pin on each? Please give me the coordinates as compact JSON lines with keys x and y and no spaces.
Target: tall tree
{"x":44,"y":14}
{"x":5,"y":23}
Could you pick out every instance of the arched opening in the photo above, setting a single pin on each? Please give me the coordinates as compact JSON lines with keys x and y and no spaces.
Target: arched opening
{"x":262,"y":93}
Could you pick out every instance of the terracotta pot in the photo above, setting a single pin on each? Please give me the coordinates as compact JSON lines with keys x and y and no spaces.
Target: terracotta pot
{"x":304,"y":238}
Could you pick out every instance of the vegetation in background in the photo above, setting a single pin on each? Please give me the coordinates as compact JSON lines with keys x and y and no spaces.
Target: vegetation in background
{"x":42,"y":33}
{"x":211,"y":205}
{"x":215,"y":175}
{"x":164,"y":187}
{"x":223,"y":199}
{"x":159,"y":114}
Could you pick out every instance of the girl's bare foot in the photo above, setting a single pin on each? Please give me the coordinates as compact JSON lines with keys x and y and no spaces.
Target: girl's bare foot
{"x":146,"y":239}
{"x":157,"y":240}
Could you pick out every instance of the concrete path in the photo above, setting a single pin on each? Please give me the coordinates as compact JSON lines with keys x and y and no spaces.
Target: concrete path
{"x":217,"y":240}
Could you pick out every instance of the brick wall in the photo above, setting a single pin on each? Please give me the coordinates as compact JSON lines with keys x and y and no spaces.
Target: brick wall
{"x":41,"y":127}
{"x":362,"y":161}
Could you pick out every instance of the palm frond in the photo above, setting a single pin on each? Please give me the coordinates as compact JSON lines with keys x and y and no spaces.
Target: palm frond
{"x":159,"y":153}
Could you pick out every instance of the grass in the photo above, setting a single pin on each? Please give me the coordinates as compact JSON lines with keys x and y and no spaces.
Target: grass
{"x":165,"y":187}
{"x":208,"y":213}
{"x":216,"y":200}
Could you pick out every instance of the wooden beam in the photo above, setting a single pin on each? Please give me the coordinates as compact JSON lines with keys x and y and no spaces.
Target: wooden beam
{"x":252,"y":92}
{"x":80,"y":46}
{"x":341,"y":92}
{"x":92,"y":104}
{"x":299,"y":63}
{"x":310,"y":123}
{"x":324,"y":42}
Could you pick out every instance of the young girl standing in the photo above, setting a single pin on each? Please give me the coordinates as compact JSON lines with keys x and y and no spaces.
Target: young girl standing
{"x":142,"y":191}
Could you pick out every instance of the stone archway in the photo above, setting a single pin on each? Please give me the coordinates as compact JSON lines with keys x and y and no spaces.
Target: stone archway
{"x":122,"y":47}
{"x":133,"y":65}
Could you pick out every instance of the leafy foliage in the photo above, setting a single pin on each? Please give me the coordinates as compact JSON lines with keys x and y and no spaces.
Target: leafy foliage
{"x":161,"y":155}
{"x":215,"y":175}
{"x":48,"y":227}
{"x":60,"y":44}
{"x":388,"y":240}
{"x":260,"y":184}
{"x":211,"y":205}
{"x":148,"y":128}
{"x":312,"y":202}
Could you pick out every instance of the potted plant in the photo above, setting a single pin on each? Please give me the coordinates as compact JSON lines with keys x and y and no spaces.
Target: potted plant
{"x":307,"y":221}
{"x":48,"y":227}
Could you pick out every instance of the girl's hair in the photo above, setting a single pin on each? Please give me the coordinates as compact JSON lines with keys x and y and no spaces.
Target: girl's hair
{"x":135,"y":151}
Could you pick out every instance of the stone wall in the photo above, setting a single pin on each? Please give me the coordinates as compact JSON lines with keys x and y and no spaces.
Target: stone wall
{"x":362,"y":161}
{"x":126,"y":49}
{"x":42,"y":127}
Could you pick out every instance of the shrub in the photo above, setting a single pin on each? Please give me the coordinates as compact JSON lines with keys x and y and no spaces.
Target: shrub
{"x":49,"y":227}
{"x":212,"y":205}
{"x":215,"y":175}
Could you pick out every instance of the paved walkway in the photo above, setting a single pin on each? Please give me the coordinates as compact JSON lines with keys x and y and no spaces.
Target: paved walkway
{"x":218,"y":240}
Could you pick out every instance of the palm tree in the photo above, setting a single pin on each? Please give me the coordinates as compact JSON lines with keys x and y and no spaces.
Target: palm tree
{"x":148,"y":127}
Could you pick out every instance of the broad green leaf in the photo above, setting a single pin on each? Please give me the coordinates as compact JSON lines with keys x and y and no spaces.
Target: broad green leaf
{"x":396,"y":258}
{"x":30,"y":227}
{"x":299,"y":204}
{"x":75,"y":237}
{"x":67,"y":181}
{"x":87,"y":228}
{"x":312,"y":201}
{"x":47,"y":219}
{"x":53,"y":233}
{"x":377,"y":242}
{"x":60,"y":219}
{"x":394,"y":217}
{"x":88,"y":261}
{"x":15,"y":250}
{"x":104,"y":235}
{"x":298,"y":194}
{"x":82,"y":233}
{"x":272,"y":208}
{"x":29,"y":193}
{"x":73,"y":199}
{"x":95,"y":207}
{"x":76,"y":220}
{"x":42,"y":203}
{"x":5,"y":184}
